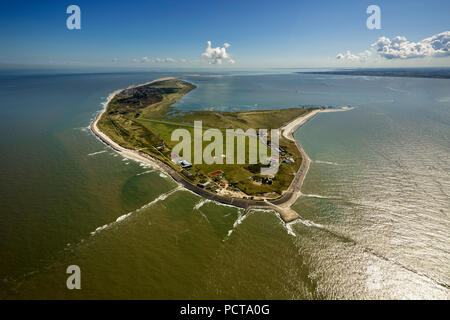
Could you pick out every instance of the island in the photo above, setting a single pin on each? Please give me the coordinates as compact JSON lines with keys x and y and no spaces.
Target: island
{"x":138,"y":122}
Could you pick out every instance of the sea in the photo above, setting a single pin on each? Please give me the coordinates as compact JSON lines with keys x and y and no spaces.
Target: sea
{"x":374,"y":207}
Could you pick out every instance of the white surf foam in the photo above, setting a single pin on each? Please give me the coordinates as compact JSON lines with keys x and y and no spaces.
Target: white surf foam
{"x":215,"y":202}
{"x":314,"y":196}
{"x":145,"y":172}
{"x":287,"y":226}
{"x":145,"y":165}
{"x":201,"y":203}
{"x":123,"y":217}
{"x":95,"y":153}
{"x":328,"y":162}
{"x":307,"y":223}
{"x":238,"y":221}
{"x":83,"y":129}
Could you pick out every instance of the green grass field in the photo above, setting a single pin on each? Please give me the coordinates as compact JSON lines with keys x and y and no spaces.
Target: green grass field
{"x":143,"y":118}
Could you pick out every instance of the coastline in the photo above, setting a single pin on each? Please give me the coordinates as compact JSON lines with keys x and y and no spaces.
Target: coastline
{"x":288,"y":132}
{"x":281,"y":204}
{"x":132,"y":154}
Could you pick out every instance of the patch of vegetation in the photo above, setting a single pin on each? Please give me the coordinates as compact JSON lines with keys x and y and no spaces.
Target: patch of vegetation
{"x":143,"y":118}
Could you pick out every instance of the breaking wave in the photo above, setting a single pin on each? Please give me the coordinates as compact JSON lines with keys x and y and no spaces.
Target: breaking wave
{"x":201,"y":203}
{"x":95,"y":153}
{"x":242,"y":216}
{"x":83,"y":129}
{"x":145,"y":172}
{"x":313,"y":196}
{"x":328,"y":162}
{"x":286,"y":226}
{"x":123,"y":217}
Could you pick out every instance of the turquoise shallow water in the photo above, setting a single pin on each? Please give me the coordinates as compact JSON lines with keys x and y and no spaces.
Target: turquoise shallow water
{"x":375,"y":209}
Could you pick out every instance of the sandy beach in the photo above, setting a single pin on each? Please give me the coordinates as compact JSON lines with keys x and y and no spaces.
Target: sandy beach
{"x":132,"y":154}
{"x":294,"y":191}
{"x":289,"y":129}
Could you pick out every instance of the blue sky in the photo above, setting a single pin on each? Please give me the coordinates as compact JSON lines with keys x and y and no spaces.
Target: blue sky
{"x":260,"y":33}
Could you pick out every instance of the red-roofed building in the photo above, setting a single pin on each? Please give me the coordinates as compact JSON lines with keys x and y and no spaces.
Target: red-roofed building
{"x":216,"y":173}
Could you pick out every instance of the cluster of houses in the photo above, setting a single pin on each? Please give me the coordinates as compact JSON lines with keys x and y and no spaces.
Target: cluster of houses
{"x":180,"y":161}
{"x":285,"y":158}
{"x":216,"y":181}
{"x":216,"y":176}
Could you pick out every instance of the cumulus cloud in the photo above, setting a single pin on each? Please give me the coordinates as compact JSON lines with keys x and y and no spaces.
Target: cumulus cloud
{"x":217,"y":55}
{"x":360,"y":57}
{"x":401,"y":48}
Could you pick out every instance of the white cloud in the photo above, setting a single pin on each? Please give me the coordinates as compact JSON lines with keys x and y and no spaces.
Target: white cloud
{"x":217,"y":55}
{"x":141,"y":60}
{"x":400,"y":48}
{"x":157,"y":60}
{"x":360,"y":57}
{"x":165,"y":60}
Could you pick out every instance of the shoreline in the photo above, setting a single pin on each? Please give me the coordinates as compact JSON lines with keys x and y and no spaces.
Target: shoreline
{"x":281,"y":204}
{"x":288,"y":132}
{"x":133,"y":154}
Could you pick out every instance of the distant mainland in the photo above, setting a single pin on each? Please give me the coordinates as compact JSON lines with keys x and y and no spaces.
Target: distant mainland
{"x":438,"y":73}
